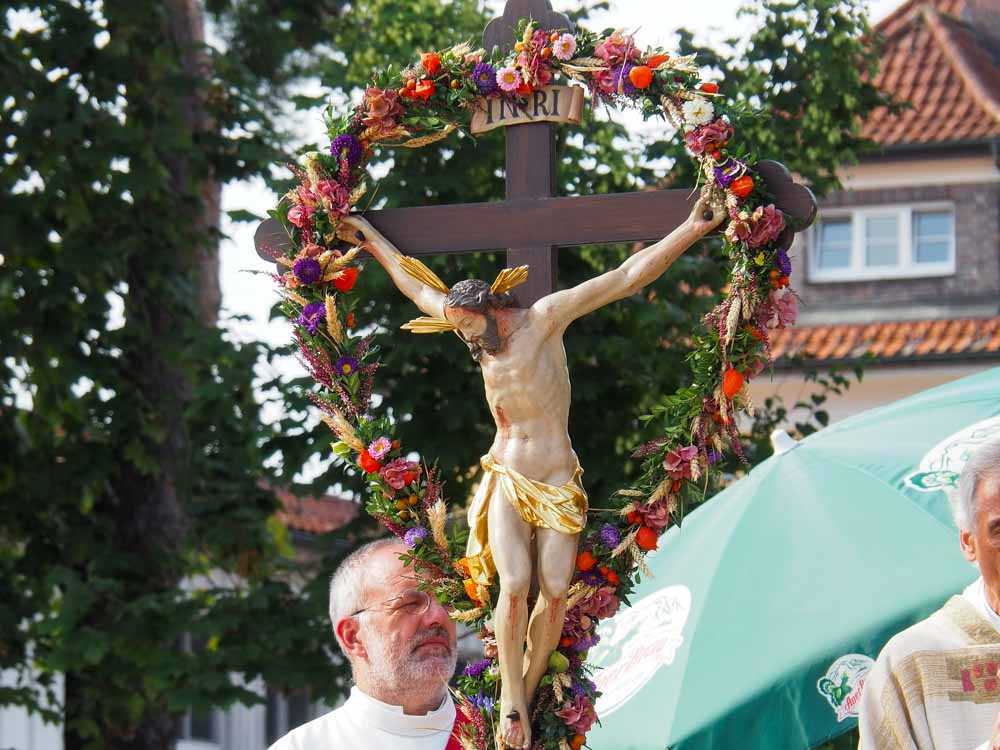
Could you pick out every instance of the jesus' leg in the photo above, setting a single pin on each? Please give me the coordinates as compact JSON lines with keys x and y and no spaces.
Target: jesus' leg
{"x":510,"y":542}
{"x":556,"y":561}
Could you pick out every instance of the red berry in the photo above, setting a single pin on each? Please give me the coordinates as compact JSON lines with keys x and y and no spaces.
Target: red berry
{"x":742,"y":186}
{"x":585,"y":561}
{"x":732,"y":382}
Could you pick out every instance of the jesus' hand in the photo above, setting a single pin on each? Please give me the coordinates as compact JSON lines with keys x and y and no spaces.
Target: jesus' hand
{"x":706,"y":216}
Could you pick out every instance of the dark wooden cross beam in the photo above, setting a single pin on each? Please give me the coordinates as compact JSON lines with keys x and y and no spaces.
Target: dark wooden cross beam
{"x":531,"y":222}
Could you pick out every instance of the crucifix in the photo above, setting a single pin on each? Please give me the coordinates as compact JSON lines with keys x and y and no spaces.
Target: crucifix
{"x":531,"y":506}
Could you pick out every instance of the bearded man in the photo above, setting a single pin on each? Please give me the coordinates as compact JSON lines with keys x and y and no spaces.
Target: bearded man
{"x":936,"y":685}
{"x":402,"y":649}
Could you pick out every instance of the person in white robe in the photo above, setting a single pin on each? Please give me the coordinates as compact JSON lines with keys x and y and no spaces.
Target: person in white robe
{"x":402,"y":648}
{"x":936,"y":685}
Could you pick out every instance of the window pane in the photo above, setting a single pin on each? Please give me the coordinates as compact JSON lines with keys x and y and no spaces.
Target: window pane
{"x":933,"y":251}
{"x":881,"y":241}
{"x":834,"y":249}
{"x":932,"y":223}
{"x":932,"y":233}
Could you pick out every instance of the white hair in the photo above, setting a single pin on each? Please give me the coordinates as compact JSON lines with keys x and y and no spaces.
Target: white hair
{"x":983,"y":464}
{"x":347,"y":586}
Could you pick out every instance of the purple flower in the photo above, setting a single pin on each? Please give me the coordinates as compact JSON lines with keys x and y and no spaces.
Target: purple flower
{"x":483,"y":702}
{"x":349,"y":146}
{"x":784,"y":263}
{"x":312,"y":317}
{"x":728,"y":171}
{"x":484,"y":76}
{"x":623,"y":83}
{"x":713,"y":456}
{"x":307,"y":270}
{"x":610,"y":537}
{"x":346,"y":365}
{"x":414,"y":536}
{"x":477,"y":668}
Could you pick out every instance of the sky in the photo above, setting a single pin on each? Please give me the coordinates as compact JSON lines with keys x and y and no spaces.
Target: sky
{"x":246,"y":293}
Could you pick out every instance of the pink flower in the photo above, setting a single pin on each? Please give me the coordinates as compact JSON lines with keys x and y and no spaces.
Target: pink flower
{"x":678,"y":462}
{"x":564,"y":47}
{"x":656,"y":516}
{"x":380,"y":448}
{"x":311,"y":250}
{"x":737,"y":231}
{"x":783,"y":309}
{"x":509,"y":78}
{"x":383,"y":108}
{"x":602,"y":603}
{"x":300,"y":215}
{"x":766,"y":224}
{"x":708,"y":137}
{"x":307,"y":197}
{"x":335,"y":197}
{"x":399,"y":473}
{"x":605,"y":82}
{"x":543,"y":76}
{"x":579,"y":715}
{"x":614,"y":49}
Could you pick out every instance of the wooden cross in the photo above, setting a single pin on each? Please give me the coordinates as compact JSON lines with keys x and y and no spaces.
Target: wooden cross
{"x":532,"y":223}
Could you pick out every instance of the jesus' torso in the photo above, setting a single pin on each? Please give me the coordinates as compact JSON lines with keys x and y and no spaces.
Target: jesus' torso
{"x":528,"y":391}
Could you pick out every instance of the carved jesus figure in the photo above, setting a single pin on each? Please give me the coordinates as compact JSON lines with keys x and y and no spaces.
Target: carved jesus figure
{"x":531,"y":487}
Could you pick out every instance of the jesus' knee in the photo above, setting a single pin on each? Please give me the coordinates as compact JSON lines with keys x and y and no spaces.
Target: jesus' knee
{"x":514,"y":586}
{"x":554,"y":585}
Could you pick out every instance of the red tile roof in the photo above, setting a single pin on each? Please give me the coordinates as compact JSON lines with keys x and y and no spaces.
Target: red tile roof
{"x":901,"y":341}
{"x":315,"y":515}
{"x":934,"y":60}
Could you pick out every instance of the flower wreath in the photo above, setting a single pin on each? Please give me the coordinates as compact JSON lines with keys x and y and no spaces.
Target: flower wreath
{"x":418,"y":106}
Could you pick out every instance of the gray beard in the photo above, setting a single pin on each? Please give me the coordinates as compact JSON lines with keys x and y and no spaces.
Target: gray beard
{"x":488,"y":341}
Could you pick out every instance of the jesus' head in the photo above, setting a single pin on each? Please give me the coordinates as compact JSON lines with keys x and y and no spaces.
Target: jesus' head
{"x":471,"y":307}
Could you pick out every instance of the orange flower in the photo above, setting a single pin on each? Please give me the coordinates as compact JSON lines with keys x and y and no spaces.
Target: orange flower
{"x":641,"y":76}
{"x":425,"y":89}
{"x":431,"y":62}
{"x":346,"y":280}
{"x":471,"y":590}
{"x":462,"y":566}
{"x":646,"y":538}
{"x":524,"y":90}
{"x":710,"y":88}
{"x":585,"y":561}
{"x":657,"y":60}
{"x":577,"y":742}
{"x":742,"y":186}
{"x":732,"y":383}
{"x":369,"y":464}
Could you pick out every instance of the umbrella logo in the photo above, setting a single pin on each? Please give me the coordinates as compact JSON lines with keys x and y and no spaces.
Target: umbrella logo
{"x":843,"y":682}
{"x":636,"y":643}
{"x":940,"y":468}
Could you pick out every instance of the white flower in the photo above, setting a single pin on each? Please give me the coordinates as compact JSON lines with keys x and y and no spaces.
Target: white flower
{"x":698,"y":111}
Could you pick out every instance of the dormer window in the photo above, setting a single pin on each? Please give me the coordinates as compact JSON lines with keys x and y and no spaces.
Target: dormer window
{"x":883,"y":242}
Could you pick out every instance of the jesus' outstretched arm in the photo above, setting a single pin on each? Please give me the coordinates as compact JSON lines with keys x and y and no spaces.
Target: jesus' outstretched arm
{"x":563,"y":307}
{"x":429,"y":300}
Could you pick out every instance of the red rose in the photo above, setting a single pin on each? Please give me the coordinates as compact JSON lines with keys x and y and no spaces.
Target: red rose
{"x":709,"y":137}
{"x":399,"y":473}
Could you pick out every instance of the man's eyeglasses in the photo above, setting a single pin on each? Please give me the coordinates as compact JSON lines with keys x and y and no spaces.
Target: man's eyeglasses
{"x":413,"y":602}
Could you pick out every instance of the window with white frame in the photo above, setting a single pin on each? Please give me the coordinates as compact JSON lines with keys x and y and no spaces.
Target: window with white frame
{"x":198,"y":728}
{"x":883,"y":242}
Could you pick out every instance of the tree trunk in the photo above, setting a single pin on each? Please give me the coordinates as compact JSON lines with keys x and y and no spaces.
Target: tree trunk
{"x":187,"y":30}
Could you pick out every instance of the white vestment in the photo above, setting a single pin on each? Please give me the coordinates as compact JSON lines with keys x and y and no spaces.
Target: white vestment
{"x":936,"y":686}
{"x":368,"y":724}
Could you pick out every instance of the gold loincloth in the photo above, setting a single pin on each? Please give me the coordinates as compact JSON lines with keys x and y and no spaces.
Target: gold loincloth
{"x":541,"y":505}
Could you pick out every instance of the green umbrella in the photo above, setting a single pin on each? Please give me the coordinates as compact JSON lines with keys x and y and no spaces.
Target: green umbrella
{"x":768,"y":606}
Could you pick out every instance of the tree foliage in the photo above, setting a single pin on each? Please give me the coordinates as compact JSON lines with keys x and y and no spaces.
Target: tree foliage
{"x":132,"y":438}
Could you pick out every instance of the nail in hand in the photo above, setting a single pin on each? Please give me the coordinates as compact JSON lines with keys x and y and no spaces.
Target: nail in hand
{"x":360,"y":236}
{"x":707,"y":215}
